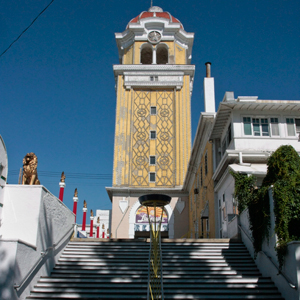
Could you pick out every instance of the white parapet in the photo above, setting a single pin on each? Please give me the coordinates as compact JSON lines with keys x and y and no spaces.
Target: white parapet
{"x":35,"y":227}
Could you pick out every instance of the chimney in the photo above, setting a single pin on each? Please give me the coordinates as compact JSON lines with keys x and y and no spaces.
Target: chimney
{"x":209,"y":90}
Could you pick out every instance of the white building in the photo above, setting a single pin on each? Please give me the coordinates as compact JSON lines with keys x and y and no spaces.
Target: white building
{"x":246,"y":131}
{"x":3,"y":174}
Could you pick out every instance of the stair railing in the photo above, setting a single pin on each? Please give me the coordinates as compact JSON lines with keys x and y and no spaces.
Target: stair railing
{"x":43,"y":255}
{"x":161,"y":269}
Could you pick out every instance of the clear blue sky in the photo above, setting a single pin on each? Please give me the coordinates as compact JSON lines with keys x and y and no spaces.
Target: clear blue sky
{"x":57,"y":90}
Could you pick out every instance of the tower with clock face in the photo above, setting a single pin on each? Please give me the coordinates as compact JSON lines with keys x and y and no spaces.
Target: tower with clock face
{"x":154,"y":82}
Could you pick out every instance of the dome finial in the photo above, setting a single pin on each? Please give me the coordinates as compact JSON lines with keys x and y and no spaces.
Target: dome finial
{"x":155,"y":8}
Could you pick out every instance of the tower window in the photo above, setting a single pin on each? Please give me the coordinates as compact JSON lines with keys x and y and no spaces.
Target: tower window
{"x":162,"y":55}
{"x":152,"y":177}
{"x":152,"y":134}
{"x":153,"y":110}
{"x":146,"y":55}
{"x":152,"y":160}
{"x":153,"y":78}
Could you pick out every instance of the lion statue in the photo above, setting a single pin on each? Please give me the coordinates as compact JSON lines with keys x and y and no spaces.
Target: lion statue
{"x":30,"y":162}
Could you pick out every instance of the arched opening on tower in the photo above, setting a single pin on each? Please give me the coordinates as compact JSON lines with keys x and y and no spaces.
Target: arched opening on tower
{"x":141,"y":226}
{"x":146,"y":55}
{"x":162,"y":55}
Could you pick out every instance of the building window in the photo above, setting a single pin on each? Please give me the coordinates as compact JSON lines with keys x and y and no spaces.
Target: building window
{"x":291,"y":128}
{"x":152,"y":177}
{"x":247,"y":126}
{"x":206,"y":164}
{"x":274,"y":126}
{"x":153,"y":110}
{"x":201,"y":176}
{"x":207,"y":228}
{"x":297,"y":121}
{"x":152,"y":160}
{"x":153,"y":78}
{"x":259,"y":126}
{"x":152,"y":134}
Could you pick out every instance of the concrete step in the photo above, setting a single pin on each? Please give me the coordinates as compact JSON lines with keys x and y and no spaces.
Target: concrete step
{"x":119,"y":270}
{"x":167,"y":285}
{"x":123,"y":289}
{"x":252,"y":280}
{"x":96,"y":266}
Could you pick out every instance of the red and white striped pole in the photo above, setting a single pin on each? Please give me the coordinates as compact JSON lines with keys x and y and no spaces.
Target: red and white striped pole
{"x":98,"y":227}
{"x":75,"y":199}
{"x":92,"y":223}
{"x":84,"y":215}
{"x":62,"y":185}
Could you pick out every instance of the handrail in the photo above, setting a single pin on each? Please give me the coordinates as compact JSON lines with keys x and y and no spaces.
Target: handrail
{"x":186,"y":235}
{"x":288,"y":280}
{"x":149,"y":266}
{"x":43,"y":254}
{"x":161,"y":269}
{"x":293,"y":286}
{"x":155,"y":287}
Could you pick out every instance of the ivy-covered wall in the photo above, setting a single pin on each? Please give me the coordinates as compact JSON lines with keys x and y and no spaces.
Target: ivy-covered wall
{"x":283,"y":176}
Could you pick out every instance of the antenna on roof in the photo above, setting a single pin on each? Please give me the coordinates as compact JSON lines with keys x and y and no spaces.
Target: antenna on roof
{"x":151,"y":3}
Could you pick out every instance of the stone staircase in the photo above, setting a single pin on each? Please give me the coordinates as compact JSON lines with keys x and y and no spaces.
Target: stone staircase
{"x":117,"y":269}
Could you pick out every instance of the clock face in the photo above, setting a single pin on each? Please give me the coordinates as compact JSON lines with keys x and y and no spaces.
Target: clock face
{"x":154,"y":37}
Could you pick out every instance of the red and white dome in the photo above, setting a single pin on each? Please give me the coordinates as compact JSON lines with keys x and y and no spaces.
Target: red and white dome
{"x":155,"y":12}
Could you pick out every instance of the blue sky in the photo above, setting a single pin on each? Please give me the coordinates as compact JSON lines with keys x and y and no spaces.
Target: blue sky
{"x":57,"y":90}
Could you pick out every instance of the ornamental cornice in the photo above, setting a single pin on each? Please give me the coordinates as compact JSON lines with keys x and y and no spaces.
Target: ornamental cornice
{"x":186,"y":69}
{"x":152,"y":73}
{"x":136,"y":192}
{"x":177,"y":84}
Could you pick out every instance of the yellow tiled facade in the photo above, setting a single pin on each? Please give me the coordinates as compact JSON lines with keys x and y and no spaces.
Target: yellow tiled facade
{"x":171,"y":125}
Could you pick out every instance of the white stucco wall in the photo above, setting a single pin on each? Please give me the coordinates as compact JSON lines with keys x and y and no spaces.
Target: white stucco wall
{"x":292,"y":260}
{"x":124,"y":211}
{"x":33,"y":222}
{"x":3,"y":174}
{"x":225,"y":187}
{"x":262,"y":143}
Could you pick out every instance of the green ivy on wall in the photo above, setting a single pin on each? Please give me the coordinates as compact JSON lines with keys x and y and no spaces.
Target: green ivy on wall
{"x":283,"y":176}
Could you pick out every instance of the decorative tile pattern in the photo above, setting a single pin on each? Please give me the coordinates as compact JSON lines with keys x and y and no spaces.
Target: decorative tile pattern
{"x":140,"y":135}
{"x":165,"y":138}
{"x":164,"y":142}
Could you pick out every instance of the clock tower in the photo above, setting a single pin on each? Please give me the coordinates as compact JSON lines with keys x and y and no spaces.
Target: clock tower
{"x":154,"y":82}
